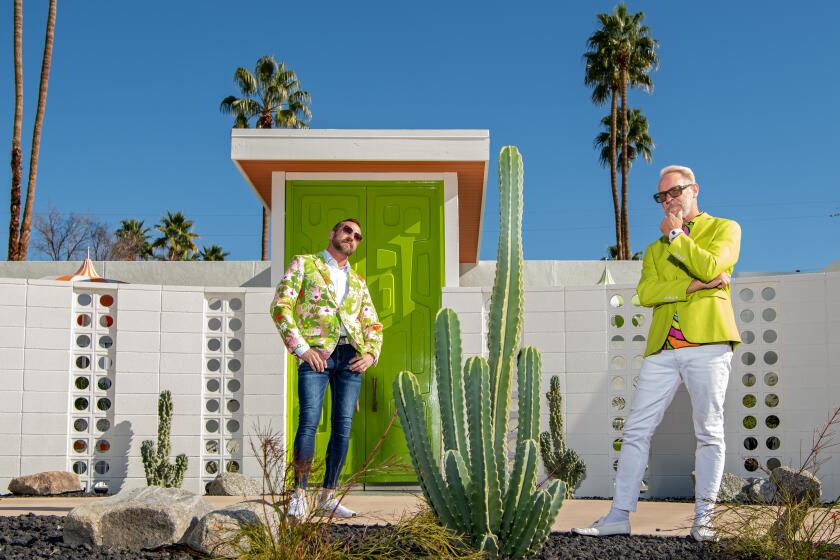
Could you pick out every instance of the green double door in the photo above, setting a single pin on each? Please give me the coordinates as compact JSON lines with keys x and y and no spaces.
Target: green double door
{"x":401,"y":258}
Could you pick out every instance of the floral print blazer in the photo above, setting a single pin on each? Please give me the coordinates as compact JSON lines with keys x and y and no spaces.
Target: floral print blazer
{"x":305,"y":309}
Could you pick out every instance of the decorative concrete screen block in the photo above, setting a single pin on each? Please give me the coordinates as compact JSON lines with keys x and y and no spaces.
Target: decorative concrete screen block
{"x":223,"y":385}
{"x":92,"y":385}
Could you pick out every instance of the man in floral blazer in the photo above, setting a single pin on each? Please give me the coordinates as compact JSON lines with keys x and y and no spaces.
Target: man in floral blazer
{"x":325,"y":315}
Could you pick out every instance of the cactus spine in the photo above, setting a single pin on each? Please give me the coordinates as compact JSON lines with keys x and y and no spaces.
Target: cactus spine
{"x":156,"y":461}
{"x":471,"y":492}
{"x":561,"y":462}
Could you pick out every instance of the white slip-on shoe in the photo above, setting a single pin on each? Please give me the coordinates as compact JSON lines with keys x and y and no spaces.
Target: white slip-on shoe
{"x":601,"y":529}
{"x":298,"y":506}
{"x":703,"y":533}
{"x":332,"y":507}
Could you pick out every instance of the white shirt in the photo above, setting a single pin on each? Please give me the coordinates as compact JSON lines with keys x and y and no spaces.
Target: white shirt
{"x":339,"y":279}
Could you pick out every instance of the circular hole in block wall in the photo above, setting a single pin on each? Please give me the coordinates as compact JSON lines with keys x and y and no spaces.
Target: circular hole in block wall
{"x":773,"y":443}
{"x":749,"y":422}
{"x":618,"y":424}
{"x":211,"y":467}
{"x":103,"y":404}
{"x":750,"y":443}
{"x":214,"y":304}
{"x":82,"y":383}
{"x":746,"y":294}
{"x":748,"y":379}
{"x":638,"y":320}
{"x":212,"y":405}
{"x":104,"y":363}
{"x":772,"y":422}
{"x":212,"y":446}
{"x":235,"y":324}
{"x":233,"y":385}
{"x":83,"y":341}
{"x":106,"y":321}
{"x":773,"y":463}
{"x":617,"y":321}
{"x":617,"y":383}
{"x":637,"y":362}
{"x":615,"y":465}
{"x":234,"y":344}
{"x":636,"y":301}
{"x":103,"y":424}
{"x":617,"y":342}
{"x":748,"y":358}
{"x":747,"y":315}
{"x":769,"y":314}
{"x":103,"y":446}
{"x":768,"y":294}
{"x":748,"y":337}
{"x":617,"y":362}
{"x":106,"y":300}
{"x":771,"y":378}
{"x":232,"y":446}
{"x":80,"y":425}
{"x":214,"y":344}
{"x":106,"y":341}
{"x":234,"y":365}
{"x":618,"y":403}
{"x":616,"y":445}
{"x":770,"y":358}
{"x":80,"y":403}
{"x":214,"y":324}
{"x":771,"y":400}
{"x":101,"y":467}
{"x":751,"y":464}
{"x":635,"y":382}
{"x":236,"y":304}
{"x":616,"y":301}
{"x":103,"y":383}
{"x":232,"y":466}
{"x":82,"y":362}
{"x":213,"y":364}
{"x":213,"y":385}
{"x":83,"y":300}
{"x":83,"y":319}
{"x":769,"y":336}
{"x":212,"y":426}
{"x":638,"y":341}
{"x":232,"y":426}
{"x":748,"y":401}
{"x":80,"y":467}
{"x":80,"y":446}
{"x":233,"y":405}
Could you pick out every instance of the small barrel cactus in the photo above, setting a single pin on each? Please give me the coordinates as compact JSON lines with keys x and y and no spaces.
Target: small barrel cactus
{"x":156,"y":461}
{"x":561,"y":462}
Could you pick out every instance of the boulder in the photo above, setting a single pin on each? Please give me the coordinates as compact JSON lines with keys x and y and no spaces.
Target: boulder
{"x":730,"y":486}
{"x":214,"y":534}
{"x":46,"y":483}
{"x":794,"y":486}
{"x":757,"y":491}
{"x":233,"y":484}
{"x":140,"y":518}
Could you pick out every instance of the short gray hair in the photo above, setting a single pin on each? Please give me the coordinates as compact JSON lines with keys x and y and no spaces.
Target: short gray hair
{"x":681,"y":169}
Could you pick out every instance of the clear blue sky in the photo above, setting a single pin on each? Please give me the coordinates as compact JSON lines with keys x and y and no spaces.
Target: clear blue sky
{"x":746,"y":95}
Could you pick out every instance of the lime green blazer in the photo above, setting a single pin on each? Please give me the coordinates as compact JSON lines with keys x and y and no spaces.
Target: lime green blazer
{"x":668,"y":268}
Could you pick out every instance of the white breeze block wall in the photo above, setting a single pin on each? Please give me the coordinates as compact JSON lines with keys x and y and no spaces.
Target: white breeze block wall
{"x":12,"y":331}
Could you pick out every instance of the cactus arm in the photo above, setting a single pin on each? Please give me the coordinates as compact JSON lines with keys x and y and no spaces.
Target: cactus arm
{"x":459,"y":483}
{"x":556,"y":492}
{"x":486,"y":496}
{"x":450,"y":380}
{"x":149,"y":457}
{"x":525,"y":525}
{"x":410,"y":410}
{"x":521,"y":486}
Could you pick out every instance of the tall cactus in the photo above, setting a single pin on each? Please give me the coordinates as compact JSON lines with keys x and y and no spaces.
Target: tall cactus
{"x":471,"y":490}
{"x":560,"y":462}
{"x":156,"y":462}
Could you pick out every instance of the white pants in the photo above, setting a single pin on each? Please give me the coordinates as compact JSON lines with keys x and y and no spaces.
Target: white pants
{"x":705,"y":372}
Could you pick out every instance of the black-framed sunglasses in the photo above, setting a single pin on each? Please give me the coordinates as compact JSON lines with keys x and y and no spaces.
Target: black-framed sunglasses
{"x":673,"y":192}
{"x":356,"y":235}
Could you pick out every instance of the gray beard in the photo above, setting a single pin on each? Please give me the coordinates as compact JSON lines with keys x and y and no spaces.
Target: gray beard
{"x":336,"y":244}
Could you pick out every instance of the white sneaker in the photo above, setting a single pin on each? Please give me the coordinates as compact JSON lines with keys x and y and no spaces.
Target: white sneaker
{"x":298,"y":506}
{"x":601,"y":529}
{"x":335,"y":509}
{"x":703,"y":533}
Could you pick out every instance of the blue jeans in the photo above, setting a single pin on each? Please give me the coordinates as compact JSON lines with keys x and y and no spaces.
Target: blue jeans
{"x":345,"y":385}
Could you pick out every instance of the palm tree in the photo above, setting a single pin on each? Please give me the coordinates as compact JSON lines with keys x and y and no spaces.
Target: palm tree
{"x":213,"y":253}
{"x":612,"y":254}
{"x":19,"y":238}
{"x":639,"y":141}
{"x":273,"y":97}
{"x":132,"y":241}
{"x":176,"y":238}
{"x":624,"y":54}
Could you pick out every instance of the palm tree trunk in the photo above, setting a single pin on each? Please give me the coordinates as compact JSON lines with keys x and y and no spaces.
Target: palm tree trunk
{"x":17,"y":155}
{"x":36,"y":134}
{"x":613,"y":172}
{"x":625,"y":231}
{"x":265,"y":223}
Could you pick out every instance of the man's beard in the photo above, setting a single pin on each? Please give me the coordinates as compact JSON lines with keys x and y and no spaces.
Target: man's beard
{"x":345,"y":250}
{"x":684,"y":205}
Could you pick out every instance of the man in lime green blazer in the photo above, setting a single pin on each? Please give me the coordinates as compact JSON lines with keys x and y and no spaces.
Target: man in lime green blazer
{"x":685,"y":278}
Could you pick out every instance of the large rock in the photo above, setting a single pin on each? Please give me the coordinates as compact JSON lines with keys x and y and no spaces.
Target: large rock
{"x":148,"y":517}
{"x":234,"y":484}
{"x":758,"y":491}
{"x":46,"y":483}
{"x":216,"y":531}
{"x":794,"y":486}
{"x":730,"y":486}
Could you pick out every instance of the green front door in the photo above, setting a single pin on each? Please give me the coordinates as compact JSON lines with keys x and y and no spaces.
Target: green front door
{"x":402,"y":260}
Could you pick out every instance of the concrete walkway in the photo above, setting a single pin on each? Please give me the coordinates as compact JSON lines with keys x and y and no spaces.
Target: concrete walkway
{"x":653,"y":518}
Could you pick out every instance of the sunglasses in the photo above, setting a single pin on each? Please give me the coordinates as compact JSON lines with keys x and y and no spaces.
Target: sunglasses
{"x":356,"y":235}
{"x":673,"y":192}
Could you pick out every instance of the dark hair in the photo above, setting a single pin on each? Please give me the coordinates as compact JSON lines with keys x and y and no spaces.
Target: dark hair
{"x":354,"y":220}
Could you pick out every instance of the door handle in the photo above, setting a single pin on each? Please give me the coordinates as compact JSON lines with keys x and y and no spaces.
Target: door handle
{"x":374,"y":405}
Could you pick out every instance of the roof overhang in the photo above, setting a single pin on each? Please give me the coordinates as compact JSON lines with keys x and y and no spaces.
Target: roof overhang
{"x":259,"y":152}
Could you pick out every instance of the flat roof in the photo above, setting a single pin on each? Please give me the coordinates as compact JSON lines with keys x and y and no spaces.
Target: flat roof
{"x":259,"y":152}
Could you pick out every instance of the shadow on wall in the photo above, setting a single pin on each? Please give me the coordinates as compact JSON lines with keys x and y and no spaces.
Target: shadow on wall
{"x":120,"y":449}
